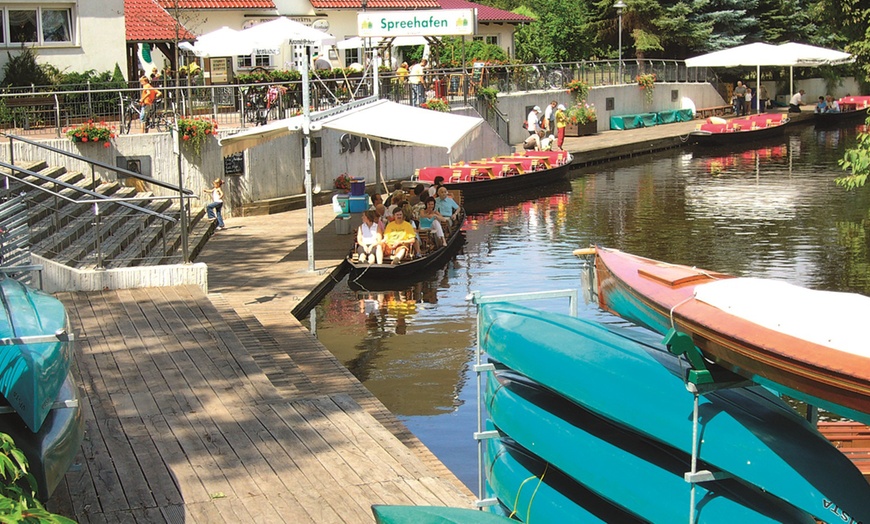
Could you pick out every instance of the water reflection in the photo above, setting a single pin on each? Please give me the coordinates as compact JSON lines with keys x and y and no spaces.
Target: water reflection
{"x":769,"y":210}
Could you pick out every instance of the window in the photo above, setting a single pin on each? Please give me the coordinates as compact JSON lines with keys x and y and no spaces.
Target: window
{"x":351,"y":56}
{"x":488,"y":39}
{"x":249,"y":61}
{"x":39,"y":25}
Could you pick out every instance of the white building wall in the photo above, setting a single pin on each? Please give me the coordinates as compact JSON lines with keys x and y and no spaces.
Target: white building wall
{"x":100,"y":39}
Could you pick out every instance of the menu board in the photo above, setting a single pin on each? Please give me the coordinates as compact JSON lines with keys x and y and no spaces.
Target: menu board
{"x":234,"y":164}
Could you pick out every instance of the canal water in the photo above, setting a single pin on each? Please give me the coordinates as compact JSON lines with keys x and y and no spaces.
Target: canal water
{"x":768,"y":209}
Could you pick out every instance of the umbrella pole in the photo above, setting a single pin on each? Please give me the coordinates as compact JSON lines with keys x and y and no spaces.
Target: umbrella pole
{"x":306,"y":155}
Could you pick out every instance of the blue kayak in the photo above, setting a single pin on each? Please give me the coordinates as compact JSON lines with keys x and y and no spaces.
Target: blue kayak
{"x":534,"y":491}
{"x":745,"y":432}
{"x":642,"y":476}
{"x":35,"y":354}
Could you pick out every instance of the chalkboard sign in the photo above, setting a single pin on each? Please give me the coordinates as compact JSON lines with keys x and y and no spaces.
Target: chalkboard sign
{"x":234,"y":164}
{"x":477,"y":72}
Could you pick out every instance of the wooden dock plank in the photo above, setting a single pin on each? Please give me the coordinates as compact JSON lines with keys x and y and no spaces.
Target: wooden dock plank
{"x":184,"y":426}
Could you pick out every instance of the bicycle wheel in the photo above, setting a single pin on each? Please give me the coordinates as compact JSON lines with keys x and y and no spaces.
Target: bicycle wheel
{"x":556,"y":79}
{"x":164,"y":121}
{"x":127,"y":123}
{"x":532,"y":78}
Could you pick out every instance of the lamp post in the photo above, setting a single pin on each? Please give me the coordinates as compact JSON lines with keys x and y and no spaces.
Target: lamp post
{"x":620,"y":5}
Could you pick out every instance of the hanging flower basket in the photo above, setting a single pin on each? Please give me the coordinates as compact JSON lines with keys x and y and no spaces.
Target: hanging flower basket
{"x":195,"y":131}
{"x":89,"y":132}
{"x":647,"y":84}
{"x":342,"y":182}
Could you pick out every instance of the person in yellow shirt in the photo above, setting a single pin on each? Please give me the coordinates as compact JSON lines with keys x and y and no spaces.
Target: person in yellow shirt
{"x":561,"y":124}
{"x":399,"y":236}
{"x":402,"y":73}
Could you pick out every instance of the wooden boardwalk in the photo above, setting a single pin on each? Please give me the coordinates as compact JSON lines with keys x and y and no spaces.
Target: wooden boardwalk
{"x":183,"y":425}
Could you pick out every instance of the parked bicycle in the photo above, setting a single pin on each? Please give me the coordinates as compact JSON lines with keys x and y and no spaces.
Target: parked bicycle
{"x":159,"y":119}
{"x":543,"y":76}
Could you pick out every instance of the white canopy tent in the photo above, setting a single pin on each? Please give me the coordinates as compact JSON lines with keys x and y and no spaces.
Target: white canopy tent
{"x":370,"y":118}
{"x":760,"y":54}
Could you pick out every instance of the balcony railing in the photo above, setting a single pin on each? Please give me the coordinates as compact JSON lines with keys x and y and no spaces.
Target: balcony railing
{"x":41,"y":110}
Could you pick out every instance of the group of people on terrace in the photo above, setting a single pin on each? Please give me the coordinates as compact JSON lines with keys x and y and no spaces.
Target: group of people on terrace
{"x":542,"y":125}
{"x":406,"y":225}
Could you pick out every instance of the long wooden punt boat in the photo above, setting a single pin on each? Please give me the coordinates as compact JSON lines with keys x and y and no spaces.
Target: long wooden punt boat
{"x":811,"y":345}
{"x":52,"y":450}
{"x":852,"y":109}
{"x":35,"y":350}
{"x":747,"y":433}
{"x":597,"y":453}
{"x":536,"y":491}
{"x":738,"y":130}
{"x":494,"y":176}
{"x":433,"y":257}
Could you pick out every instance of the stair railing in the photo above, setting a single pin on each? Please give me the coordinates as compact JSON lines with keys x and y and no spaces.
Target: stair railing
{"x":183,"y":194}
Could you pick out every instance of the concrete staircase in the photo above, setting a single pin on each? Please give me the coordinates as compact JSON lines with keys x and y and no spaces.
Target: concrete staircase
{"x":69,"y":232}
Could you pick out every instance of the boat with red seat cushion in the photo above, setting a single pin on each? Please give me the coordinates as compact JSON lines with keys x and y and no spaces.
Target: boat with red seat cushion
{"x":493,"y":177}
{"x":748,"y":128}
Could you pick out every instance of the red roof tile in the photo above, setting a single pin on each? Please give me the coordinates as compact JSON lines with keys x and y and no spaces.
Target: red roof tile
{"x":218,"y":4}
{"x":485,"y":13}
{"x":146,"y":21}
{"x":375,"y":4}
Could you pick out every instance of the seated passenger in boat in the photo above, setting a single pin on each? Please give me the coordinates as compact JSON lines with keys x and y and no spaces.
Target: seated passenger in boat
{"x":369,"y":242}
{"x":383,"y":218}
{"x":831,"y":105}
{"x":431,"y":220}
{"x":821,"y":106}
{"x":433,"y":189}
{"x":446,"y":206}
{"x":376,"y":199}
{"x":399,"y":237}
{"x":411,"y":216}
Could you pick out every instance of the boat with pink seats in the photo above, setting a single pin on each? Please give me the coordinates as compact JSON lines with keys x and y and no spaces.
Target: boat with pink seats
{"x":491,"y":177}
{"x":719,"y":132}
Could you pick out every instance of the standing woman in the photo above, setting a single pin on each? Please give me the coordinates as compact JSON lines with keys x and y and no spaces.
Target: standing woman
{"x":213,"y":209}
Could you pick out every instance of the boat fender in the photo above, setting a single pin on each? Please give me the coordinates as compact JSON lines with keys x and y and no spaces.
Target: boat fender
{"x":680,"y":343}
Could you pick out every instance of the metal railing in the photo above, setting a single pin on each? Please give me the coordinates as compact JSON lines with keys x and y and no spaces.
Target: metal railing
{"x":244,"y":105}
{"x":59,"y":210}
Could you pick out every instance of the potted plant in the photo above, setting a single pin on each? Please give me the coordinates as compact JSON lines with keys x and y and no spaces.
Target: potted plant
{"x":436,"y":104}
{"x":647,"y":84}
{"x":490,"y":94}
{"x":92,"y":133}
{"x":342,"y":182}
{"x":582,"y":119}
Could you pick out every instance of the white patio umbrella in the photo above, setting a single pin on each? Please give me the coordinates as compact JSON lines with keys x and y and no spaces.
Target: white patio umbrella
{"x":220,"y":42}
{"x":356,"y":42}
{"x":810,"y":55}
{"x":280,"y":31}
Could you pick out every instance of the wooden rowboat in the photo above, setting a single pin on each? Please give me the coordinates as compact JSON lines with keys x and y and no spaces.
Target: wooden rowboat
{"x":433,"y":257}
{"x":811,"y":345}
{"x":491,"y":177}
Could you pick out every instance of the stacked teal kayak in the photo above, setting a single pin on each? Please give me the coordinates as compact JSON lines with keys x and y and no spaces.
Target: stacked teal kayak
{"x":31,"y":374}
{"x":39,"y":401}
{"x":608,"y":407}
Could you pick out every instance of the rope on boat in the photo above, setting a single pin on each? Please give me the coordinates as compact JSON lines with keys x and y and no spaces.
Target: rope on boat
{"x":675,"y":306}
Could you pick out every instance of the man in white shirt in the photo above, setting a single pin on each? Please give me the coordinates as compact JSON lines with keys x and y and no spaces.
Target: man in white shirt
{"x":794,"y":105}
{"x":548,"y":117}
{"x":418,"y":87}
{"x":532,"y":120}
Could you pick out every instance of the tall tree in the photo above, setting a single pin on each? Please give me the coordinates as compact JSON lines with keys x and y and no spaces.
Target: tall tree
{"x":558,"y":34}
{"x":848,"y":24}
{"x":733,"y":22}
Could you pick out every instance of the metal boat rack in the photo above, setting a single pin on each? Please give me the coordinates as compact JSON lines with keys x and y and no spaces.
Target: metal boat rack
{"x":481,"y":367}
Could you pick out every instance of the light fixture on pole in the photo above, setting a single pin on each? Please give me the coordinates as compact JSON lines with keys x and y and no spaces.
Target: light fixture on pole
{"x":620,"y":5}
